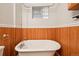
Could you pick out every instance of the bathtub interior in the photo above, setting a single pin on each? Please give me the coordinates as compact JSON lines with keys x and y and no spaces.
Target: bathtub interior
{"x":38,"y":45}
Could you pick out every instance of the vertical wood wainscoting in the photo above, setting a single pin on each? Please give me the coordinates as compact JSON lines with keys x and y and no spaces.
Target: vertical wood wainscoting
{"x":39,"y":33}
{"x":68,"y":37}
{"x":14,"y":37}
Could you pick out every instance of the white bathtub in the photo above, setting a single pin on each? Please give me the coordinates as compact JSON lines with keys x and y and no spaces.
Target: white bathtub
{"x":1,"y":50}
{"x":37,"y":48}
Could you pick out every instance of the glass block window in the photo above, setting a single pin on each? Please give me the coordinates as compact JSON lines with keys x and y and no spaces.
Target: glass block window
{"x":40,"y":12}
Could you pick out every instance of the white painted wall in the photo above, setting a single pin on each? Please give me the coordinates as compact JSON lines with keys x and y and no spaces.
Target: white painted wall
{"x":6,"y":15}
{"x":58,"y":16}
{"x":18,"y":15}
{"x":10,"y":15}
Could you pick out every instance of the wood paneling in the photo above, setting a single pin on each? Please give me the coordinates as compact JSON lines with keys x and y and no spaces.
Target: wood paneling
{"x":62,"y":36}
{"x":14,"y":36}
{"x":5,"y":42}
{"x":74,"y":41}
{"x":68,"y":37}
{"x":73,"y":6}
{"x":39,"y":33}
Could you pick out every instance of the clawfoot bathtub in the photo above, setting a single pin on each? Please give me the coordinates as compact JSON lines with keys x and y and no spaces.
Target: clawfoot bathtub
{"x":37,"y":48}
